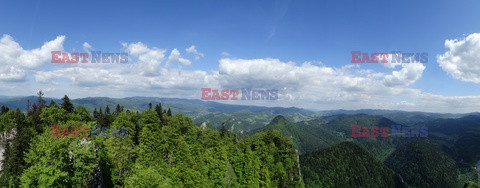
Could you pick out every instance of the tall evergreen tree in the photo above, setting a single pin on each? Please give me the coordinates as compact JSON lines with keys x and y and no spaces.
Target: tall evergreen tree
{"x":13,"y":162}
{"x":149,"y":106}
{"x":223,"y":130}
{"x":95,"y":113}
{"x":107,"y":110}
{"x":34,"y":111}
{"x":66,"y":104}
{"x":169,"y":113}
{"x":158,"y":109}
{"x":4,"y":110}
{"x":29,"y":106}
{"x":118,"y":109}
{"x":40,"y":101}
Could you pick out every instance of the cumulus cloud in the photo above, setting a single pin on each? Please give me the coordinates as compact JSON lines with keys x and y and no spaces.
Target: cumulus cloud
{"x":175,"y":57}
{"x":322,"y":87}
{"x":462,"y":59}
{"x":304,"y":85}
{"x":149,"y":59}
{"x":12,"y":73}
{"x":410,"y":73}
{"x":16,"y":62}
{"x":307,"y":85}
{"x":192,"y":50}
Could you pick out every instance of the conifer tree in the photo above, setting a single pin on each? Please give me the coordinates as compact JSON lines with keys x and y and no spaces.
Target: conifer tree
{"x":4,"y":110}
{"x":41,"y":102}
{"x":66,"y":104}
{"x":95,"y":113}
{"x":118,"y":109}
{"x":107,"y":110}
{"x":223,"y":130}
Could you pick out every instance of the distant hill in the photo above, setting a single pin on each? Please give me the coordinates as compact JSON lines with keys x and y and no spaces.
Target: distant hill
{"x":402,"y":117}
{"x":306,"y":137}
{"x":453,"y":136}
{"x":422,"y":163}
{"x":451,"y":142}
{"x":238,"y":118}
{"x":461,"y":135}
{"x":346,"y":165}
{"x":327,"y":131}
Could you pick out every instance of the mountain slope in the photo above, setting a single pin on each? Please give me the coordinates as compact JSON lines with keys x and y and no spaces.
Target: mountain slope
{"x":303,"y":139}
{"x":422,"y":163}
{"x":346,"y":165}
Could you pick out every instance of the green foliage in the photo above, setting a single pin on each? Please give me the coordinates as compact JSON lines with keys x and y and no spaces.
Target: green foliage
{"x":471,"y":185}
{"x":52,"y":103}
{"x":346,"y":165}
{"x":149,"y":178}
{"x":4,"y":110}
{"x":166,"y":150}
{"x":161,"y":150}
{"x":54,"y":116}
{"x":422,"y":163}
{"x":182,"y":154}
{"x":15,"y":140}
{"x":58,"y":162}
{"x":81,"y":114}
{"x":11,"y":119}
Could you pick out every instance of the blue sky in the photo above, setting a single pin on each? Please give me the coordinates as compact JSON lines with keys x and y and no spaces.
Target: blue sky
{"x":256,"y":34}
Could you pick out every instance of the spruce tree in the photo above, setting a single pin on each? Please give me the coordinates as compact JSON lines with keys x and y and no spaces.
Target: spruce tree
{"x":41,"y":102}
{"x":66,"y":104}
{"x":95,"y":113}
{"x":158,"y":109}
{"x":223,"y":130}
{"x":4,"y":110}
{"x":118,"y":109}
{"x":107,"y":110}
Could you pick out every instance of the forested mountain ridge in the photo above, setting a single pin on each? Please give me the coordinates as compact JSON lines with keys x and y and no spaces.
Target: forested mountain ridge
{"x":346,"y":165}
{"x":450,"y":142}
{"x":242,"y":118}
{"x":219,"y":153}
{"x":239,"y":118}
{"x":328,"y":131}
{"x":161,"y":150}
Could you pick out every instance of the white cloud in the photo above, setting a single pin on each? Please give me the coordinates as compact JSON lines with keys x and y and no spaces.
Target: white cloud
{"x":15,"y":61}
{"x":322,"y":87}
{"x":87,"y":47}
{"x":306,"y":85}
{"x":12,"y":73}
{"x":462,"y":60}
{"x":410,"y":73}
{"x":149,"y":59}
{"x":175,"y":57}
{"x":192,"y":50}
